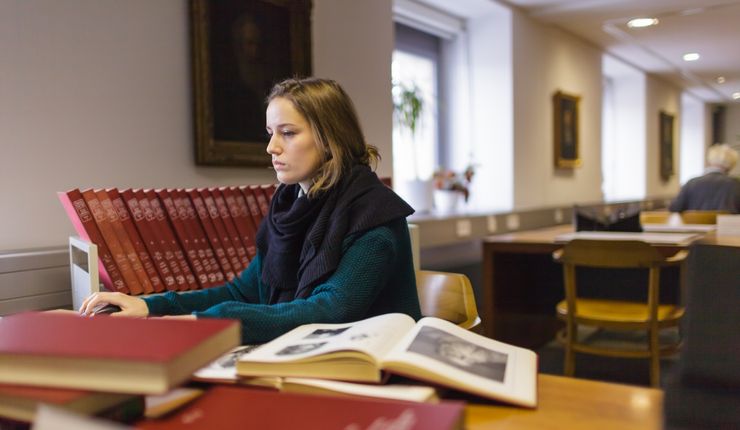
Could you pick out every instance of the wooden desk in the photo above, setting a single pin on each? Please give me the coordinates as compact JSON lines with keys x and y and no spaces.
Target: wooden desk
{"x":521,"y":285}
{"x":568,"y":403}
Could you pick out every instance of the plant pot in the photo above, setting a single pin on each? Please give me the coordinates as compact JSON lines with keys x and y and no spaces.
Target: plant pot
{"x":417,"y":193}
{"x":446,"y":201}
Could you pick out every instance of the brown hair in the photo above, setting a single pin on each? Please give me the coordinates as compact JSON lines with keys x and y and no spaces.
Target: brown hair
{"x":334,"y":124}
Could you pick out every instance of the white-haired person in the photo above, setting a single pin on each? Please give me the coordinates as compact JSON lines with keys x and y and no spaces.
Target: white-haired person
{"x":715,"y":189}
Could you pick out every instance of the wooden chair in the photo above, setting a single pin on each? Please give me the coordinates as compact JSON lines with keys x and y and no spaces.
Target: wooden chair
{"x":448,"y":296}
{"x":654,"y":217}
{"x":701,"y":217}
{"x":649,"y":316}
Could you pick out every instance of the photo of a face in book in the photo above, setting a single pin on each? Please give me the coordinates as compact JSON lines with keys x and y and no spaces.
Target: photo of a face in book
{"x":454,"y":351}
{"x":325,"y":332}
{"x":300,"y":348}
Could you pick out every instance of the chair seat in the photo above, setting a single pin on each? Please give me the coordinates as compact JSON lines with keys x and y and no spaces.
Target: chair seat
{"x":613,"y":313}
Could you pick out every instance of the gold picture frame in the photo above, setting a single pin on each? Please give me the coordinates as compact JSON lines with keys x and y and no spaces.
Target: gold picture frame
{"x":566,"y":130}
{"x":666,"y":121}
{"x":240,"y":49}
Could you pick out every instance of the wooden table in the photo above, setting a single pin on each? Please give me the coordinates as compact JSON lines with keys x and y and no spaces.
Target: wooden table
{"x":569,"y":403}
{"x":521,"y":285}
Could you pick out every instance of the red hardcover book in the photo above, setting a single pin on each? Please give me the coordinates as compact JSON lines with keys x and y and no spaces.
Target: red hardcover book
{"x":254,"y":207}
{"x":181,"y":233}
{"x":85,"y":226}
{"x":218,"y":223}
{"x":111,"y":239}
{"x":20,"y":403}
{"x":150,"y":239}
{"x":136,"y":241}
{"x":211,"y":233}
{"x":128,"y":247}
{"x":242,"y":219}
{"x":169,"y":237}
{"x":122,"y":355}
{"x":229,"y":407}
{"x":225,"y":211}
{"x":198,"y":249}
{"x":262,"y":200}
{"x":269,"y":190}
{"x":205,"y":252}
{"x":164,"y":245}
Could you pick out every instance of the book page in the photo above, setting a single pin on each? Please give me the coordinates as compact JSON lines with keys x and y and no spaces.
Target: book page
{"x":442,"y":352}
{"x":372,"y":337}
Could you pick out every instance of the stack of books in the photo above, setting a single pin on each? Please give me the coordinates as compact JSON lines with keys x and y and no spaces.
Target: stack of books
{"x":151,"y":241}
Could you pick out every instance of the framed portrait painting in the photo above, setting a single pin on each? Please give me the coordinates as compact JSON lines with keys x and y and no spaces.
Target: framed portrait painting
{"x":241,"y":48}
{"x":565,"y":121}
{"x":666,"y":145}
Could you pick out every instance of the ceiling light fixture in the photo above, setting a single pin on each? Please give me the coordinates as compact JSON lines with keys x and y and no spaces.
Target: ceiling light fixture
{"x":720,"y":79}
{"x":691,"y":56}
{"x":736,"y":95}
{"x":642,"y":22}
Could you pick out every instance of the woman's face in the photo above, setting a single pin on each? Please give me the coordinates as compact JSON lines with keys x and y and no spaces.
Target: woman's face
{"x":295,"y":155}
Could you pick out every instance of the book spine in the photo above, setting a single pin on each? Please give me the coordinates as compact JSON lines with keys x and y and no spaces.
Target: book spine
{"x":269,"y":190}
{"x":261,"y":197}
{"x":218,"y":224}
{"x":216,"y":276}
{"x":242,"y":219}
{"x":213,"y":237}
{"x":136,"y":241}
{"x":254,"y":207}
{"x":115,"y":247}
{"x":162,"y":243}
{"x":199,"y":252}
{"x":150,"y":239}
{"x":225,"y":211}
{"x":191,"y":254}
{"x":84,"y":224}
{"x":126,"y":245}
{"x":169,"y":237}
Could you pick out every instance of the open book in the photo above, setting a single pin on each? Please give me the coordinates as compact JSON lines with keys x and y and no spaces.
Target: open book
{"x":432,"y":350}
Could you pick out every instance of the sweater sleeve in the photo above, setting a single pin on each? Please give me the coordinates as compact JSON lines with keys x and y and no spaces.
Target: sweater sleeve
{"x":346,"y":296}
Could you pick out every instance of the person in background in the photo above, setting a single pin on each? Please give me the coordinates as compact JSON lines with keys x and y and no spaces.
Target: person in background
{"x":335,"y":247}
{"x":715,"y":189}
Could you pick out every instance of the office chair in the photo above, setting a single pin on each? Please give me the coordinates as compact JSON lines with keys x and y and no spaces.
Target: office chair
{"x":448,"y":296}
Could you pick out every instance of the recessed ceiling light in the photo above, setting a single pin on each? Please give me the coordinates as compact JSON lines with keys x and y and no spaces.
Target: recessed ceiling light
{"x":642,"y":22}
{"x":736,"y":95}
{"x":691,"y":56}
{"x":720,"y":79}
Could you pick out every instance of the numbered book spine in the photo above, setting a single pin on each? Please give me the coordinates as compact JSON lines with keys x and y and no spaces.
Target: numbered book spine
{"x":254,"y":207}
{"x":225,"y":212}
{"x":218,"y":224}
{"x":242,"y":219}
{"x":205,"y":252}
{"x":262,"y":200}
{"x":213,"y":236}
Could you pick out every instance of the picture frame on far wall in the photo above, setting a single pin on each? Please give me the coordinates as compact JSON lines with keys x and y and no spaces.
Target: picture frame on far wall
{"x":566,"y":130}
{"x":240,"y":49}
{"x":666,"y":145}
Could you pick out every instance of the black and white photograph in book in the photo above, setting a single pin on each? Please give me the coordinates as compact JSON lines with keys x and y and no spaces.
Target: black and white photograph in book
{"x":228,"y":361}
{"x":454,"y":351}
{"x":300,"y":348}
{"x":325,"y":332}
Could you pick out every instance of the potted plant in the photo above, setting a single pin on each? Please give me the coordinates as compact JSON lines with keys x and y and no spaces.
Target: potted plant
{"x":450,"y":186}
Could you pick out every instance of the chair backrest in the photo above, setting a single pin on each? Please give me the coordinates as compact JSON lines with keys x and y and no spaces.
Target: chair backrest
{"x":654,"y":217}
{"x":448,"y":296}
{"x":701,"y":217}
{"x":609,"y":254}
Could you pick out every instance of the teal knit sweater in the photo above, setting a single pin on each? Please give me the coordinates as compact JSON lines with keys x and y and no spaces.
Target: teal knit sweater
{"x":375,"y":276}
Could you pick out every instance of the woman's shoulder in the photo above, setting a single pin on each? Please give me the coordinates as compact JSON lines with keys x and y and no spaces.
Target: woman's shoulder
{"x":389,"y":231}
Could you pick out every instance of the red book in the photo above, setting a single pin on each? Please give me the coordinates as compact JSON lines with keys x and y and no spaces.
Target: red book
{"x":218,"y":223}
{"x":112,"y":354}
{"x":85,"y":226}
{"x":242,"y":219}
{"x":254,"y":207}
{"x":186,"y":242}
{"x":150,"y":239}
{"x":163,"y":244}
{"x":228,"y":407}
{"x":225,"y":211}
{"x":262,"y":200}
{"x":211,"y":233}
{"x":205,"y":252}
{"x":269,"y":190}
{"x":20,"y":403}
{"x":136,"y":241}
{"x":164,"y":227}
{"x":128,"y":247}
{"x":111,"y":239}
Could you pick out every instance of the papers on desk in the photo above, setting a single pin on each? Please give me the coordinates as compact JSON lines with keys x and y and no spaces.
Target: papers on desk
{"x":653,"y":238}
{"x":679,"y":228}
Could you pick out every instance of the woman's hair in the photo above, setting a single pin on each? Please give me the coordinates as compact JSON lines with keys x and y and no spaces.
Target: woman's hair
{"x":336,"y":129}
{"x":721,"y":155}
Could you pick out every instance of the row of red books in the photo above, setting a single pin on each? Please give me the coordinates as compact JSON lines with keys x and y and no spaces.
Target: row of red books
{"x":151,"y":241}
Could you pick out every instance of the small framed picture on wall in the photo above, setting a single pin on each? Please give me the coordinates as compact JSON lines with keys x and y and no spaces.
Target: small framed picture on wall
{"x":666,"y":145}
{"x":566,"y":134}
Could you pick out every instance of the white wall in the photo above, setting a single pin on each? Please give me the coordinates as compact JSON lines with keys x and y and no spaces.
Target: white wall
{"x":661,"y":96}
{"x":97,"y":93}
{"x":547,"y":60}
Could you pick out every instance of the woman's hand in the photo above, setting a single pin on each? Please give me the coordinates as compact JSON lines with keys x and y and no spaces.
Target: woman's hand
{"x":130,"y":306}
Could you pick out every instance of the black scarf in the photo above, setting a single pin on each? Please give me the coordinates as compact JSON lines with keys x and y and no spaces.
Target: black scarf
{"x":301,"y":239}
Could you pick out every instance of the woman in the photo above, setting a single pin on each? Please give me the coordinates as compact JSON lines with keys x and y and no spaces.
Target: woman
{"x":335,"y":247}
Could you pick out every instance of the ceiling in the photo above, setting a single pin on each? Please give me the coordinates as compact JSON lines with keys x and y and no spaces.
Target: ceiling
{"x":708,"y":27}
